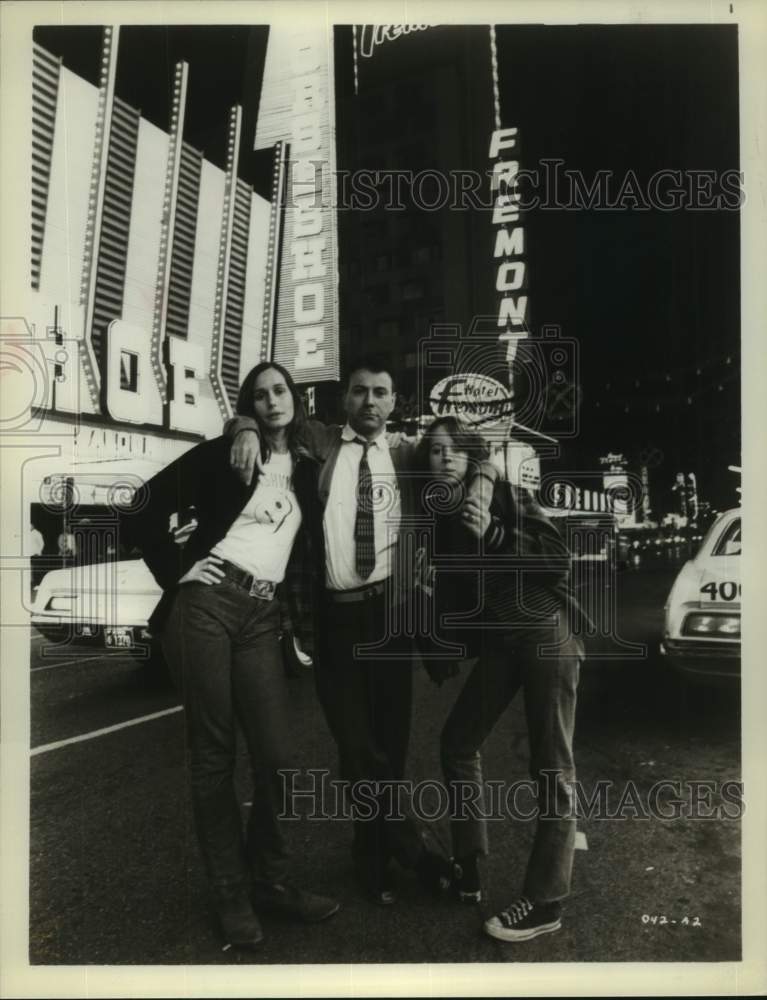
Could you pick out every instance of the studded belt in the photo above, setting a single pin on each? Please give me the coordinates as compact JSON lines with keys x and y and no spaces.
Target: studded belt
{"x":263,"y":589}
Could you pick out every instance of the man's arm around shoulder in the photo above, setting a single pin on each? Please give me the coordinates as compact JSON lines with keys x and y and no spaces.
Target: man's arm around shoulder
{"x":245,"y":440}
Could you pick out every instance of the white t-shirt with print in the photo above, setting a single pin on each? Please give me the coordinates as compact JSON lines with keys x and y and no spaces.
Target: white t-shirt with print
{"x":262,"y":536}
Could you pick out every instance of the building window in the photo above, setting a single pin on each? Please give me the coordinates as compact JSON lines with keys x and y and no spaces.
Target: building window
{"x":378,"y":295}
{"x":424,"y":322}
{"x":374,"y":231}
{"x":189,"y":397}
{"x":129,"y":371}
{"x":388,"y":328}
{"x":412,"y":290}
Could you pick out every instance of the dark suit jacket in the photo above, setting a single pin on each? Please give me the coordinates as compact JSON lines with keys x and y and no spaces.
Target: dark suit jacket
{"x":202,"y":478}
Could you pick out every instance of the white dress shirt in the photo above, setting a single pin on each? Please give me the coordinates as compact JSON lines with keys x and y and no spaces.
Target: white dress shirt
{"x":341,"y":512}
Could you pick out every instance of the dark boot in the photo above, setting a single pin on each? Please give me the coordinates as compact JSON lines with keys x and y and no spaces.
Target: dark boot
{"x":434,"y":871}
{"x":240,"y":927}
{"x":290,"y":901}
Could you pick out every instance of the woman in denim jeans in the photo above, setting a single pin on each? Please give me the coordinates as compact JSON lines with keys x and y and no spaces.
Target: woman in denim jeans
{"x":522,"y":640}
{"x":220,"y":626}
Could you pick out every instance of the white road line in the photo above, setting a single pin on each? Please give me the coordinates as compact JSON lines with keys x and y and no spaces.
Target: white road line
{"x":66,"y":663}
{"x":103,"y":732}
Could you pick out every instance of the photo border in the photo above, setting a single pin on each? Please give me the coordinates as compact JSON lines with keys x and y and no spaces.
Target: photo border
{"x":17,"y":977}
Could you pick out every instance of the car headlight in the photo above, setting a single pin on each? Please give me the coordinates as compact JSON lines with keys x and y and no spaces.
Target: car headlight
{"x":724,"y":626}
{"x":62,"y":602}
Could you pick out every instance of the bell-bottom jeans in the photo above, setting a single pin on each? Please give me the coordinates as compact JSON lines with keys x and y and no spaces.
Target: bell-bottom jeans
{"x":223,"y":651}
{"x":509,"y":660}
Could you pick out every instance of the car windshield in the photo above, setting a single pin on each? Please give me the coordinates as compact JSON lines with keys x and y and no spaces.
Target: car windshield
{"x":729,"y":543}
{"x":94,"y":542}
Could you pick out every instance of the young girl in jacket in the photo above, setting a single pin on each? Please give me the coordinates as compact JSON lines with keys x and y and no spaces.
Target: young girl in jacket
{"x":515,"y":568}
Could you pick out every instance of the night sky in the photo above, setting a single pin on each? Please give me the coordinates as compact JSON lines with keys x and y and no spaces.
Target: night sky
{"x":226,"y":65}
{"x":652,"y":297}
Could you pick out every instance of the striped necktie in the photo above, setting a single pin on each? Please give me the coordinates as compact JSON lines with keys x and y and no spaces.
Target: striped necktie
{"x":364,"y":534}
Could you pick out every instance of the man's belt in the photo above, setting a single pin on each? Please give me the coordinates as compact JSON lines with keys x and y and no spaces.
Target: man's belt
{"x":358,"y":594}
{"x":263,"y":589}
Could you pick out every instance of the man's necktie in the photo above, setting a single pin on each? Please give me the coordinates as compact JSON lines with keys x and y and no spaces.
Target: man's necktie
{"x":364,"y":535}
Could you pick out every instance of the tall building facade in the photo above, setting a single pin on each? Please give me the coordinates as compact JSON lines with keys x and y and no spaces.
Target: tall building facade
{"x":415,"y":119}
{"x":390,"y":224}
{"x":147,"y":266}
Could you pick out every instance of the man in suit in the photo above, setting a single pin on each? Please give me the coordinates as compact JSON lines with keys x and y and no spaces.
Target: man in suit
{"x":364,"y":485}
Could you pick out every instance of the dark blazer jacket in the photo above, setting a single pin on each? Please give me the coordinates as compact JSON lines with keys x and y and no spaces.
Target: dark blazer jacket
{"x":203,"y":478}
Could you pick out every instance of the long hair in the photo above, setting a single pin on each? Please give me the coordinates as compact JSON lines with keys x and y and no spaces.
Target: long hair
{"x":246,"y":408}
{"x":464,"y":438}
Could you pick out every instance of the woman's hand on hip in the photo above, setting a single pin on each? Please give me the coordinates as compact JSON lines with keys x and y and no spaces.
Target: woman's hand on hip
{"x":476,"y":517}
{"x":207,"y":570}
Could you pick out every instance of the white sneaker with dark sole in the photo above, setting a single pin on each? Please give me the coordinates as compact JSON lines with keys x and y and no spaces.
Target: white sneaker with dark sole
{"x":523,"y":920}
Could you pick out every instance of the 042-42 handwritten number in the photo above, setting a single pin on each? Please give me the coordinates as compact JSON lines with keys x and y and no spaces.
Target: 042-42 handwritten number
{"x":660,"y":919}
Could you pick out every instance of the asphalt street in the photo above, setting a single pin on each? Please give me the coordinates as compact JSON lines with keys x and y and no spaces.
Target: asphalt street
{"x":115,"y":876}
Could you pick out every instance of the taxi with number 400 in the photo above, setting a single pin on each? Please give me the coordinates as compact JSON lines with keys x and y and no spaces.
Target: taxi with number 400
{"x":702,"y":614}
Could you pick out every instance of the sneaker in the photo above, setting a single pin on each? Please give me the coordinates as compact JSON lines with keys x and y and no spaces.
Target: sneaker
{"x":523,"y":920}
{"x":291,"y":901}
{"x":435,"y":872}
{"x":239,"y":924}
{"x":466,"y":882}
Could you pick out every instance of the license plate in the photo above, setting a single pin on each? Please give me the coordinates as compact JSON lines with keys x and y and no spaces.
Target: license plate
{"x":118,"y":638}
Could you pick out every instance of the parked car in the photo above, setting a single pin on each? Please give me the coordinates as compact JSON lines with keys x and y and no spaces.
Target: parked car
{"x":108,"y":606}
{"x":104,"y":605}
{"x":702,"y":614}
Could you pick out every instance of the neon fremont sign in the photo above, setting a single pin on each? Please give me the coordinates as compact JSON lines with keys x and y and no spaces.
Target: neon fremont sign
{"x":509,"y":248}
